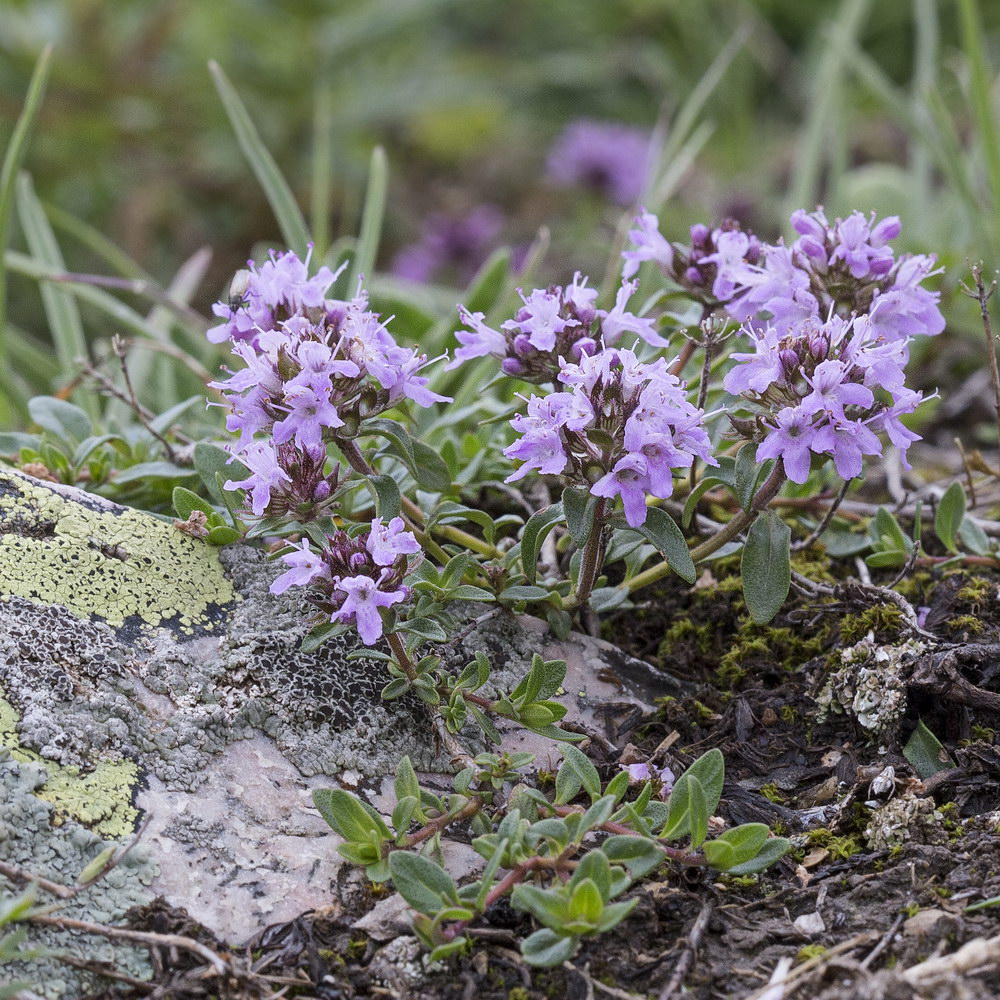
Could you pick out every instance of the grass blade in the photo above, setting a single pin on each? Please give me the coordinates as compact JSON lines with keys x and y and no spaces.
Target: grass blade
{"x":13,"y":158}
{"x":322,"y":168}
{"x":60,"y":306}
{"x":278,"y":193}
{"x":96,"y":242}
{"x":371,"y":219}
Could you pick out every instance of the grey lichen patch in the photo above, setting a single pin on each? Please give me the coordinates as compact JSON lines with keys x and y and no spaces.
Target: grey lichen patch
{"x":31,"y":840}
{"x":100,"y":560}
{"x":870,"y":684}
{"x":905,"y":819}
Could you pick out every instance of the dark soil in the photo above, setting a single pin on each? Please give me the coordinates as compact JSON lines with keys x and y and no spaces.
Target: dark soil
{"x":860,"y":902}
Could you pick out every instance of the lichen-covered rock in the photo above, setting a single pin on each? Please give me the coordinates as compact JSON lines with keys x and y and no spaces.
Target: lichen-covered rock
{"x":869,"y":684}
{"x":34,"y":838}
{"x":907,"y":818}
{"x":194,"y":707}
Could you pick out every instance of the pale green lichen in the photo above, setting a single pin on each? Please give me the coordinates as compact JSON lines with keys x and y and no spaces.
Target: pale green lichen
{"x":98,"y":559}
{"x":100,"y":799}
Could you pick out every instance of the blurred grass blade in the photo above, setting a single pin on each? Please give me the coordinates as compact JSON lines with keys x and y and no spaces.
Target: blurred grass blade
{"x":276,"y":189}
{"x":96,"y":242}
{"x":322,"y":168}
{"x":825,"y":104}
{"x":981,"y":97}
{"x":60,"y":306}
{"x":13,"y":158}
{"x":371,"y":220}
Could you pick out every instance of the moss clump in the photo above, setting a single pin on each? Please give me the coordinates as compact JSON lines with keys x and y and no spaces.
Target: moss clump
{"x":758,"y":648}
{"x":965,"y":625}
{"x":808,"y":951}
{"x":977,"y":592}
{"x":884,"y":620}
{"x":772,"y":793}
{"x":840,"y":848}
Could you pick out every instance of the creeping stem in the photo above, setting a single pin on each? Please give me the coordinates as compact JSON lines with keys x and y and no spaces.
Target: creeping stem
{"x":767,"y":492}
{"x":590,"y":561}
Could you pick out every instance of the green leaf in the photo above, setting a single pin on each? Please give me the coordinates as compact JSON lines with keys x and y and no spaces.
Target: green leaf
{"x":522,"y":593}
{"x":210,"y":460}
{"x":17,"y":147}
{"x":773,"y":849}
{"x":925,"y":753}
{"x":691,"y":503}
{"x":152,"y":470}
{"x":661,"y":529}
{"x":431,"y":471}
{"x":348,"y":815}
{"x":949,"y":516}
{"x":276,"y":190}
{"x":974,"y":538}
{"x":67,"y":422}
{"x":222,"y":534}
{"x":766,"y":566}
{"x":576,"y":772}
{"x":746,"y":474}
{"x":579,"y":505}
{"x":388,"y":502}
{"x":488,"y":283}
{"x":594,"y":867}
{"x":735,"y":846}
{"x":425,"y":885}
{"x":545,"y":948}
{"x":539,"y":525}
{"x":710,"y":770}
{"x":545,"y":905}
{"x":162,"y":423}
{"x":11,"y":442}
{"x":186,"y":502}
{"x":60,"y":306}
{"x":585,"y":904}
{"x":406,"y":779}
{"x":639,"y":855}
{"x":371,"y":220}
{"x":687,"y":811}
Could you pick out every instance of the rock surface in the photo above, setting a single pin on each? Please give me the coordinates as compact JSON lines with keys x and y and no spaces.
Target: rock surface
{"x":149,"y":679}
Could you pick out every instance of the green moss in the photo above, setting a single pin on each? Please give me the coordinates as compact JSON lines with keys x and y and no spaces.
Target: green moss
{"x":984,"y":733}
{"x":976,"y":592}
{"x":911,"y":909}
{"x":788,"y":714}
{"x":808,"y":951}
{"x":885,"y":620}
{"x":965,"y":624}
{"x":759,"y":646}
{"x":840,"y":848}
{"x":772,"y":793}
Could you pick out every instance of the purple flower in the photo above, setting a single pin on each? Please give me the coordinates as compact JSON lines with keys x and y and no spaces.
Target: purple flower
{"x":847,"y":441}
{"x":619,"y":321}
{"x":610,"y":158}
{"x":362,"y":604}
{"x":731,"y":248}
{"x":649,"y":245}
{"x":540,"y":449}
{"x":539,"y":319}
{"x":387,"y":541}
{"x":791,"y":440}
{"x":478,"y":341}
{"x":305,"y":566}
{"x":629,"y":479}
{"x":265,"y":475}
{"x":832,"y":391}
{"x":308,"y":414}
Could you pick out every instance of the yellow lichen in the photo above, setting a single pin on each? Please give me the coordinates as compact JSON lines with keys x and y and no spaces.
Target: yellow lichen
{"x":117,"y":564}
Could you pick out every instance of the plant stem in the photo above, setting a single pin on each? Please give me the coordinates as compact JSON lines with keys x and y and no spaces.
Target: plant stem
{"x":428,"y":830}
{"x":725,"y":534}
{"x":590,"y":561}
{"x":459,"y":755}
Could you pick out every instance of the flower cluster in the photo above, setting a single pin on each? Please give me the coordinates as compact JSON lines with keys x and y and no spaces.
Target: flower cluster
{"x":554,"y":323}
{"x":314,"y":368}
{"x":610,"y":158}
{"x":706,"y":268}
{"x":827,"y":387}
{"x":621,"y":427}
{"x":845,"y":268}
{"x":352,"y":579}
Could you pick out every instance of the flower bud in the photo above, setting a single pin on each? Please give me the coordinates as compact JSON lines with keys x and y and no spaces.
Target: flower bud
{"x":322,"y":490}
{"x":512,"y":366}
{"x":805,"y":225}
{"x":522,"y":345}
{"x":585,"y":345}
{"x":752,"y":256}
{"x":812,"y":248}
{"x":819,"y":347}
{"x":357,"y":560}
{"x":693,"y":276}
{"x":789,"y":361}
{"x":699,"y":235}
{"x":881,"y":266}
{"x":887,"y":229}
